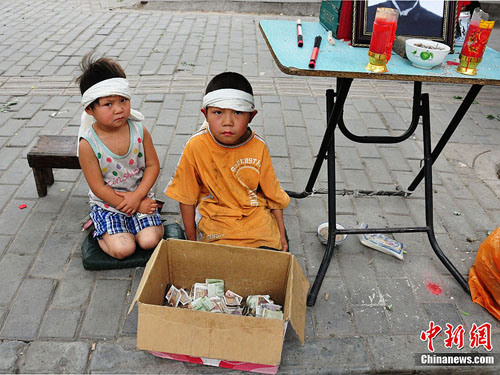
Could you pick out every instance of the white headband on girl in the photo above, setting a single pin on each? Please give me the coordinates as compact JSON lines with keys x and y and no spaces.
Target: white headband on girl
{"x":236,"y":100}
{"x":108,"y":87}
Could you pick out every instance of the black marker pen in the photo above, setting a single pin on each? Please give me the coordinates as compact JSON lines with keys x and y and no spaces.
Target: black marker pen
{"x":314,"y":56}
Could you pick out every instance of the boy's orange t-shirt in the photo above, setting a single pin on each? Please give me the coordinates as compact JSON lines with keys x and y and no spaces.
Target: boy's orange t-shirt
{"x":233,"y":188}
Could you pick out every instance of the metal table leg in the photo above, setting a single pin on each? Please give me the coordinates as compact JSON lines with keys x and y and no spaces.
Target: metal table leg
{"x":428,"y":160}
{"x":421,"y":108}
{"x":450,"y":129}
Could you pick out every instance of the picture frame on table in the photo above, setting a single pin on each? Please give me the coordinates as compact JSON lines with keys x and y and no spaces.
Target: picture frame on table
{"x":426,"y":19}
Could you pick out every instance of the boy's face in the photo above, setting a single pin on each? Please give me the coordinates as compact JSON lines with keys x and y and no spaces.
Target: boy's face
{"x":110,"y":111}
{"x":228,"y":126}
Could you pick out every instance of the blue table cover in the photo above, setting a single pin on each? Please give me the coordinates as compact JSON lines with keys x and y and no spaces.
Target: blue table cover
{"x":343,"y":60}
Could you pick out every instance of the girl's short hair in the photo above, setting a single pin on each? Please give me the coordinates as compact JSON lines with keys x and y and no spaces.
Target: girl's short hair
{"x":229,"y":80}
{"x":95,"y":70}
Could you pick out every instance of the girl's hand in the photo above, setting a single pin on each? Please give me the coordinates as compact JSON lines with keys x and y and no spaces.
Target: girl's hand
{"x":130,"y":203}
{"x":148,"y":206}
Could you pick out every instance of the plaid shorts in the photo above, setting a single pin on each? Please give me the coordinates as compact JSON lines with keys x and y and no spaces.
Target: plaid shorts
{"x":110,"y":222}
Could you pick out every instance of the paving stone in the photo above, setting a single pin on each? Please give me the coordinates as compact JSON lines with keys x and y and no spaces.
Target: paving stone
{"x":112,"y":358}
{"x":130,"y":324}
{"x":394,"y":205}
{"x":16,"y":173}
{"x":33,"y":297}
{"x":394,"y":159}
{"x":370,"y":212}
{"x":75,"y":288}
{"x":386,"y":266}
{"x":162,"y":135}
{"x":337,"y":355}
{"x":312,"y":212}
{"x":475,"y":215}
{"x":396,"y":221}
{"x":6,"y":193}
{"x":404,"y":312}
{"x":282,"y":169}
{"x":60,"y":324}
{"x":74,"y":211}
{"x":23,"y":137}
{"x":422,"y":270}
{"x":55,"y":103}
{"x":277,"y":146}
{"x":314,"y":251}
{"x":297,"y":137}
{"x":7,"y":156}
{"x":359,"y":278}
{"x":371,"y":319}
{"x":27,"y":111}
{"x":54,"y":256}
{"x":55,"y":357}
{"x":377,"y":170}
{"x":12,"y":217}
{"x":105,"y":309}
{"x":393,"y":353}
{"x":357,"y":179}
{"x":442,"y":313}
{"x":9,"y":354}
{"x":13,"y":269}
{"x":482,"y":194}
{"x":4,"y":242}
{"x":36,"y":226}
{"x":452,"y":219}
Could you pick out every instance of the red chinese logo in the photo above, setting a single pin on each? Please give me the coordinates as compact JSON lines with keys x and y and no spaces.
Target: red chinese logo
{"x":430,"y":334}
{"x":478,"y":336}
{"x":454,"y":337}
{"x":481,"y":336}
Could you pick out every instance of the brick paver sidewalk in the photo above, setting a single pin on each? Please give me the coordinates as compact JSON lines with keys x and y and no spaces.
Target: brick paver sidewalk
{"x":56,"y":317}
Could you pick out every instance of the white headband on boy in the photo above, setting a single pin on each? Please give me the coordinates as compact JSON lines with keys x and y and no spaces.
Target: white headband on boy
{"x":108,"y":87}
{"x":236,"y":100}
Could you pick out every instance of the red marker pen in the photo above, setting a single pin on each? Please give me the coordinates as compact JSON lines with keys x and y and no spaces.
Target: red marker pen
{"x":300,"y":41}
{"x":314,"y":56}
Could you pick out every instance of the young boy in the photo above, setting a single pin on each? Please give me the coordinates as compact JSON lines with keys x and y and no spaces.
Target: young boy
{"x":118,"y":160}
{"x":225,"y":181}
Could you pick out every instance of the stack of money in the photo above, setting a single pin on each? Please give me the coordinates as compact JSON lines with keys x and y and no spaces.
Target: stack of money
{"x":263,"y":306}
{"x":215,"y":287}
{"x":210,"y":296}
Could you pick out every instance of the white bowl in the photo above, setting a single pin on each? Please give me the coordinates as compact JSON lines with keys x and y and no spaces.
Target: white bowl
{"x":323,"y":234}
{"x":426,"y":54}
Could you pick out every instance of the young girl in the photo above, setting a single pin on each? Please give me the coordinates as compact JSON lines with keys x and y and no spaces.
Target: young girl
{"x":118,"y":160}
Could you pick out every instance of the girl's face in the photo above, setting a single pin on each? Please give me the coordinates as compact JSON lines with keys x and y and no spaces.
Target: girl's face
{"x":228,"y":126}
{"x":111,"y":112}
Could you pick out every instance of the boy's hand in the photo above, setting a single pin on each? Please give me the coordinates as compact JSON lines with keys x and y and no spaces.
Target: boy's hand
{"x":148,"y":206}
{"x":284,"y":244}
{"x":130,"y":203}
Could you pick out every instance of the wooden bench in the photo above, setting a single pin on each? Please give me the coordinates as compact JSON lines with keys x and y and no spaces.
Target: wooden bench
{"x":51,"y":151}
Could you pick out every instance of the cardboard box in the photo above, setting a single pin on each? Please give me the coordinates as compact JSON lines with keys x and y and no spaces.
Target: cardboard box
{"x":197,"y":334}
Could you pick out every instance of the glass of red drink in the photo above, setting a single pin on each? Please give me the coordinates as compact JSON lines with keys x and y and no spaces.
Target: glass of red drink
{"x":383,"y":36}
{"x":475,"y":42}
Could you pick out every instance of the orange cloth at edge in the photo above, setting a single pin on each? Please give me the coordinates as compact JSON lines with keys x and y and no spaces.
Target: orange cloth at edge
{"x":484,"y":275}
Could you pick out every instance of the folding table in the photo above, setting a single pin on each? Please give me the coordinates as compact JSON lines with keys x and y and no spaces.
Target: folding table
{"x":347,"y":63}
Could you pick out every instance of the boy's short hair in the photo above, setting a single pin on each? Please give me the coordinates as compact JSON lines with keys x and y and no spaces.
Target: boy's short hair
{"x":95,"y":70}
{"x":229,"y":80}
